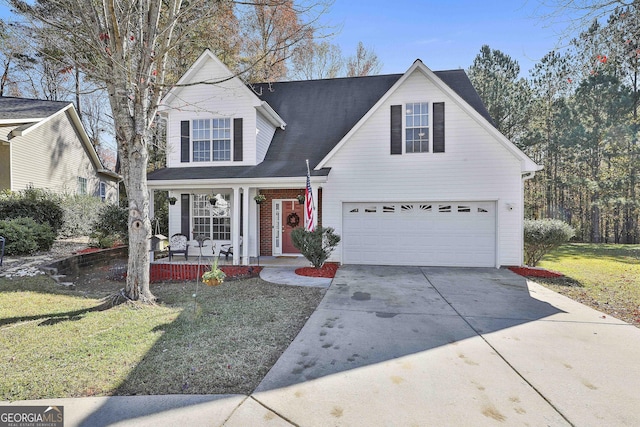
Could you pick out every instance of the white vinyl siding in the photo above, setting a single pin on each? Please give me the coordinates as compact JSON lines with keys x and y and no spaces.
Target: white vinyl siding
{"x":226,"y":100}
{"x":265,"y":131}
{"x":474,"y":167}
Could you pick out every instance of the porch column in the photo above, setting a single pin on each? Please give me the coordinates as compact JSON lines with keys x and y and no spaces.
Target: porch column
{"x":151,"y":204}
{"x":235,"y":226}
{"x":245,"y":225}
{"x":153,"y":229}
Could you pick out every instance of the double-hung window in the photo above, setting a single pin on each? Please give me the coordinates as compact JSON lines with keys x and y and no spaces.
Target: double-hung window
{"x":417,"y":127}
{"x":212,"y":221}
{"x":103,"y":191}
{"x":211,"y":140}
{"x":82,"y":185}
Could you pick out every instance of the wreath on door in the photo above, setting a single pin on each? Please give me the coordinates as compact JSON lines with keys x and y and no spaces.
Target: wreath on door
{"x":293,"y":220}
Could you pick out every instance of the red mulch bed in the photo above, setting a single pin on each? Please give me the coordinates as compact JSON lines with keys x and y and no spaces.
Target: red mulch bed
{"x":535,"y":272}
{"x":166,"y":272}
{"x":88,"y":250}
{"x":328,"y":270}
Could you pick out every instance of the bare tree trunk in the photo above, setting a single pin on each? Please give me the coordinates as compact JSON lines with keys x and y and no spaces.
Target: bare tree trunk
{"x":133,"y":160}
{"x":78,"y":94}
{"x":595,"y":218}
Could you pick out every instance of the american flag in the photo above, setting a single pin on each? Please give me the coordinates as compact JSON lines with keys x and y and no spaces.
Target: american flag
{"x":309,"y":208}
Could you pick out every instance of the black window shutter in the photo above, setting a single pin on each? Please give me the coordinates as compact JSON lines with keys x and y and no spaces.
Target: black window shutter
{"x":185,"y":221}
{"x":237,"y":140}
{"x":396,"y":129}
{"x":185,"y":144}
{"x":438,"y":127}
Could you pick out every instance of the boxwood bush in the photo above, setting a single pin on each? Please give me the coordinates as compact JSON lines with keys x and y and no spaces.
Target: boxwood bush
{"x":111,"y":226}
{"x":42,"y":206}
{"x":316,"y":246}
{"x":24,"y":236}
{"x":542,"y":236}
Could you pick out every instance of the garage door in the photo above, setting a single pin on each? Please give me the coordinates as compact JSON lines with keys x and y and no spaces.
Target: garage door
{"x":461,"y":234}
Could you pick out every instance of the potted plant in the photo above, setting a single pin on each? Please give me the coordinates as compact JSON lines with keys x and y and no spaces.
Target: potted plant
{"x":172,"y":200}
{"x":260,"y":198}
{"x":212,"y":200}
{"x":301,"y":198}
{"x":215,"y":276}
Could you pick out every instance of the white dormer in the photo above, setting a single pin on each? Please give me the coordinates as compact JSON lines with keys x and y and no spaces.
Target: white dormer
{"x":214,"y":119}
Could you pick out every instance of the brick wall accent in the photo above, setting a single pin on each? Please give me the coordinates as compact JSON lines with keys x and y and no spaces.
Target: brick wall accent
{"x":73,"y":264}
{"x":266,"y":217}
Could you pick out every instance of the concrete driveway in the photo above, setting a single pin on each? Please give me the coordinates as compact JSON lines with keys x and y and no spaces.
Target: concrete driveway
{"x":391,"y":346}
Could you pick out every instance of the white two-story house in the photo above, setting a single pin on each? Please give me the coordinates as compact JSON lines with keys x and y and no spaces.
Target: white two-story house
{"x":407,"y":168}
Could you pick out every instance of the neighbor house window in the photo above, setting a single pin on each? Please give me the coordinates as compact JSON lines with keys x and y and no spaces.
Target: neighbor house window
{"x":417,"y":127}
{"x":211,"y":140}
{"x":103,"y":191}
{"x":82,"y":185}
{"x":210,"y":221}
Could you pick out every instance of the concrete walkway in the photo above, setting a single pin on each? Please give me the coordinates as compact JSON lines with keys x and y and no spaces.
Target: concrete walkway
{"x":287,"y":276}
{"x":396,"y":346}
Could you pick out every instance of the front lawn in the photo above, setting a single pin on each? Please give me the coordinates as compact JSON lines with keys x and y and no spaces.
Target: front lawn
{"x":66,"y":343}
{"x":603,"y":276}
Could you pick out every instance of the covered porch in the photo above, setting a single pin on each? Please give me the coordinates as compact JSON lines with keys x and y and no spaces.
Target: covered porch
{"x":223,"y":214}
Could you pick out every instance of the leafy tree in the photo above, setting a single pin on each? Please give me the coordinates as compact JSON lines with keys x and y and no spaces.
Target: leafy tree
{"x":495,"y":76}
{"x":14,"y":56}
{"x":598,"y":104}
{"x":550,"y":84}
{"x":313,"y":60}
{"x":365,"y":62}
{"x":270,"y":31}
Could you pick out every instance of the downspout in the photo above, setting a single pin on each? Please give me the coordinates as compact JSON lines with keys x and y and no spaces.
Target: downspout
{"x":525,"y":177}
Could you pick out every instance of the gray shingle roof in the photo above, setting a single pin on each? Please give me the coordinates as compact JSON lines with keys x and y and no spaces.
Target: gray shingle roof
{"x":24,"y":109}
{"x":318,"y":113}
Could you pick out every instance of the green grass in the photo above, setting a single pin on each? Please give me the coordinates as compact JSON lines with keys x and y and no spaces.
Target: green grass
{"x":604,"y":276}
{"x":63,"y":343}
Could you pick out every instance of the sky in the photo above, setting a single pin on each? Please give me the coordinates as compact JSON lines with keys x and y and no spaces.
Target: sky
{"x":444,"y":34}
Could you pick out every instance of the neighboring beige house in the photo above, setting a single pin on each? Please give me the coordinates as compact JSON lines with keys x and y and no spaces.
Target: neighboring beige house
{"x":44,"y":145}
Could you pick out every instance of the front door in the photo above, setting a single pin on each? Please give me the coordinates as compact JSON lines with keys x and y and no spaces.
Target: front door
{"x":288,"y":214}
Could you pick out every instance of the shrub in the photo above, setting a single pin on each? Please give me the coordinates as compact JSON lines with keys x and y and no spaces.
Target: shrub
{"x":316,"y":246}
{"x":111,"y":225}
{"x":542,"y":236}
{"x":41,"y":205}
{"x":24,"y":236}
{"x":79,"y":213}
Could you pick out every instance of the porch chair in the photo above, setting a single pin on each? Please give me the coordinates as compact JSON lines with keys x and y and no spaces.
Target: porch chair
{"x":227,"y":250}
{"x":179,"y":244}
